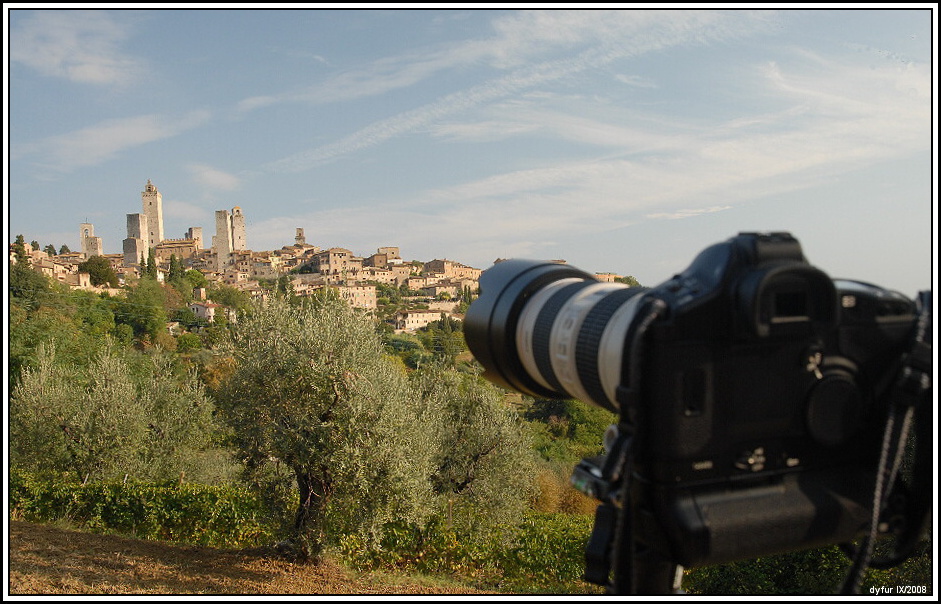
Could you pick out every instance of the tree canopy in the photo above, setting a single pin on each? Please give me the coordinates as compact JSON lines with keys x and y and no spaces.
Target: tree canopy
{"x":99,"y":271}
{"x":312,"y":389}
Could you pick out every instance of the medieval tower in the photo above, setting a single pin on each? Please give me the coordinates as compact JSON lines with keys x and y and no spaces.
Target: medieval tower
{"x":135,"y":246}
{"x":238,"y":230}
{"x":152,"y":202}
{"x":230,"y":235}
{"x":91,"y":245}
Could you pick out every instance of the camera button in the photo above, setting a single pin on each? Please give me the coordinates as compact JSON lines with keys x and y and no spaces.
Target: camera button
{"x":752,"y":461}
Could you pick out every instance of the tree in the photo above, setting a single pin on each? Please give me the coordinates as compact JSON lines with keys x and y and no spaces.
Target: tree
{"x":27,"y":285}
{"x":195,"y":278}
{"x":64,"y":250}
{"x":176,"y":270}
{"x":628,"y":280}
{"x":109,"y":419}
{"x":99,"y":271}
{"x":284,"y":286}
{"x":312,"y":389}
{"x":151,"y":268}
{"x":231,"y":297}
{"x":144,"y":309}
{"x":19,"y":249}
{"x":484,"y":465}
{"x":444,"y":338}
{"x":50,"y":250}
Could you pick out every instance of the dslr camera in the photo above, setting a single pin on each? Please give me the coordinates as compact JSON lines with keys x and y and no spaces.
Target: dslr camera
{"x":762,"y":407}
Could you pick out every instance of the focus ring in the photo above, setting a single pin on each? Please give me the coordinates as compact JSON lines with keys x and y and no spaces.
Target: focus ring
{"x":589,"y":340}
{"x":542,"y":332}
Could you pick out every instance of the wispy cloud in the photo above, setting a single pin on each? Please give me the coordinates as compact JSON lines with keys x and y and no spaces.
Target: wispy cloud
{"x":636,"y":81}
{"x":81,"y":46}
{"x":605,"y":35}
{"x":103,"y":141}
{"x":686,"y":213}
{"x":214,"y":179}
{"x":838,"y":116}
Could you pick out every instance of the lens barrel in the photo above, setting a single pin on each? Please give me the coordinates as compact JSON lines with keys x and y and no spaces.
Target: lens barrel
{"x":551,"y":331}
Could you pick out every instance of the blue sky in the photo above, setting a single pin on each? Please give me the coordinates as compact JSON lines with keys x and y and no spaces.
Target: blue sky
{"x":621,"y":141}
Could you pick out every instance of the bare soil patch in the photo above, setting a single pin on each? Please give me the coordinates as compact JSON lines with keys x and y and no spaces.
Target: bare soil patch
{"x":46,"y":559}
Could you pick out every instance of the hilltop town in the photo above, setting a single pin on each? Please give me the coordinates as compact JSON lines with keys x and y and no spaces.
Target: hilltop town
{"x":229,"y":261}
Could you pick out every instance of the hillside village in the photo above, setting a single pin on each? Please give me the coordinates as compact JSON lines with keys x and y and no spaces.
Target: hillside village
{"x":436,"y":284}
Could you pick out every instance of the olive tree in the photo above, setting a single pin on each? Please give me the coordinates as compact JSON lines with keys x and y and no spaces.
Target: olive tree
{"x":313,"y":390}
{"x":108,"y":419}
{"x":484,"y":465}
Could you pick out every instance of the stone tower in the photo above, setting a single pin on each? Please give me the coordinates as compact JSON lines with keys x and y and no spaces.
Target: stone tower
{"x":238,"y":230}
{"x":152,"y":201}
{"x":230,"y":235}
{"x":91,"y":245}
{"x":136,"y":244}
{"x":196,"y":234}
{"x":222,"y":241}
{"x":299,"y":238}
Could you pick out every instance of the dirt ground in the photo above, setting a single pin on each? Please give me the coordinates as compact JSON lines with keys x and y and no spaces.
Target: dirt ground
{"x":45,"y":559}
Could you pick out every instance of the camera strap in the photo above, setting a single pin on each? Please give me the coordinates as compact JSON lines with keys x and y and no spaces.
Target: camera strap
{"x":910,"y":397}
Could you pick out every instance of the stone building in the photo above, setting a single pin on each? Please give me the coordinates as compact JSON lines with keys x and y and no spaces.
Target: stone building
{"x":152,"y":202}
{"x":413,"y":320}
{"x":230,"y":235}
{"x":135,"y":246}
{"x":359,"y":296}
{"x":91,"y":245}
{"x":337,"y":264}
{"x":451,"y":270}
{"x":196,"y":234}
{"x":183,"y":249}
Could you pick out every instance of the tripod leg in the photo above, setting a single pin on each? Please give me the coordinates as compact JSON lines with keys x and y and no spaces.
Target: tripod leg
{"x":654,"y":574}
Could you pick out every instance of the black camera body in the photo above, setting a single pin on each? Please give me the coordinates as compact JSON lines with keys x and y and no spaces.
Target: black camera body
{"x":751,"y":388}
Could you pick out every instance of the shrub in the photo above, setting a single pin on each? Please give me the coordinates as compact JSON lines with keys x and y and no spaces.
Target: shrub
{"x":219,"y":516}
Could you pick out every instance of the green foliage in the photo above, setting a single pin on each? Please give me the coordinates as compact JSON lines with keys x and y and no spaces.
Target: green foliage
{"x":50,"y":250}
{"x":150,"y":267}
{"x":565,"y":431}
{"x":218,"y":516}
{"x":817,"y":571}
{"x":312,"y":389}
{"x":444,"y":338}
{"x":31,"y":328}
{"x":195,"y":278}
{"x":187,"y":342}
{"x":109,"y":419}
{"x":19,"y":249}
{"x":99,"y":271}
{"x":628,"y":280}
{"x":230,"y":296}
{"x":484,"y":465}
{"x":92,"y":313}
{"x":144,"y":309}
{"x":64,"y":250}
{"x":28,"y":287}
{"x":550,"y":553}
{"x":409,"y":348}
{"x":176,"y":270}
{"x":545,"y":553}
